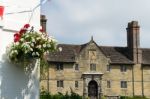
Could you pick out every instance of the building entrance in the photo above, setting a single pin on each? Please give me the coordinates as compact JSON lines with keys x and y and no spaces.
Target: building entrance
{"x":93,"y":89}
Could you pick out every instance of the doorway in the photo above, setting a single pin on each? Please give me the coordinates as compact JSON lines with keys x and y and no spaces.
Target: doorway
{"x":93,"y":89}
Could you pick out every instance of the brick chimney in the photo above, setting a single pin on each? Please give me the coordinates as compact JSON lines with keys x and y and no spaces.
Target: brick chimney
{"x":133,"y":42}
{"x":43,"y":21}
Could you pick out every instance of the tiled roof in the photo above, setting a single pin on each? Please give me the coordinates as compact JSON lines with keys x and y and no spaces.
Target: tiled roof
{"x":146,"y":56}
{"x":66,"y":55}
{"x":117,"y":55}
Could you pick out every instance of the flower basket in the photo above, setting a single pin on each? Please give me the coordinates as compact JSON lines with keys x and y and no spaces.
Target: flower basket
{"x":29,"y":44}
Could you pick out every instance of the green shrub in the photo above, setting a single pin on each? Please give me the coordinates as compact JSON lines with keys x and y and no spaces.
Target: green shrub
{"x":134,"y":97}
{"x":47,"y":95}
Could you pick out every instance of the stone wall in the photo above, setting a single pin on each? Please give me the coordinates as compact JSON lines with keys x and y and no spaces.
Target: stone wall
{"x":133,"y":75}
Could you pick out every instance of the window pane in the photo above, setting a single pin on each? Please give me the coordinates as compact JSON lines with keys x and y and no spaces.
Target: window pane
{"x":108,"y":84}
{"x":123,"y":68}
{"x":76,"y":66}
{"x":108,"y":67}
{"x":60,"y":83}
{"x":123,"y":84}
{"x":76,"y":84}
{"x":57,"y":83}
{"x":93,"y":67}
{"x":59,"y":66}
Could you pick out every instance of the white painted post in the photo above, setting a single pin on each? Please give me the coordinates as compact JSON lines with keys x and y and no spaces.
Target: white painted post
{"x":14,"y":83}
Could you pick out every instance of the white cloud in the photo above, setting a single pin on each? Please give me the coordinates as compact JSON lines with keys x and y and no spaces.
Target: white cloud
{"x":74,"y":21}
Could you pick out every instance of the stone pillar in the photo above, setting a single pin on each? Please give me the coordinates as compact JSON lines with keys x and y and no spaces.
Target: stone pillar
{"x":84,"y":87}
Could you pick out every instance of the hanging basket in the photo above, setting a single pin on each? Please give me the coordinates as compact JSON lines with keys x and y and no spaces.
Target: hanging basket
{"x":29,"y":44}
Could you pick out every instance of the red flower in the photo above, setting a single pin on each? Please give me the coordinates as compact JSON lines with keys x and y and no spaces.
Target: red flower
{"x":22,"y":31}
{"x":16,"y":37}
{"x":26,"y":26}
{"x":41,"y":30}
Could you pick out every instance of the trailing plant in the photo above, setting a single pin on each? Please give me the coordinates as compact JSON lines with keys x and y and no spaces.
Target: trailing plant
{"x":29,"y":44}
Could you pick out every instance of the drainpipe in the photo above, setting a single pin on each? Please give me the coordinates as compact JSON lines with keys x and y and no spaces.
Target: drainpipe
{"x":133,"y":79}
{"x":142,"y":82}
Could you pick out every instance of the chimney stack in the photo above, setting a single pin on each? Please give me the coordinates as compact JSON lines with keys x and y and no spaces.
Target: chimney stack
{"x":133,"y":41}
{"x":43,"y":21}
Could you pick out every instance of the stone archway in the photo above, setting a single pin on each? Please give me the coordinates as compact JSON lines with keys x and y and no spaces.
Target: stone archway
{"x":93,"y":89}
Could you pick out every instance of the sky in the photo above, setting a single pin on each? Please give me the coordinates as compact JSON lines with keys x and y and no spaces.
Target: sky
{"x":75,"y":21}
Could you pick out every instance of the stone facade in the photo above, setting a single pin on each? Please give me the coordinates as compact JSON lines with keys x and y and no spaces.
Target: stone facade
{"x":92,"y":70}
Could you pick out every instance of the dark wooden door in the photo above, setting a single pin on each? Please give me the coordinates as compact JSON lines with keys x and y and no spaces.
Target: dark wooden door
{"x":93,"y":89}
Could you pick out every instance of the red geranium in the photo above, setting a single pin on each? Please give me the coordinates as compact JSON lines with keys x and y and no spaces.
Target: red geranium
{"x":41,"y":30}
{"x":22,"y":31}
{"x":16,"y":37}
{"x":26,"y":26}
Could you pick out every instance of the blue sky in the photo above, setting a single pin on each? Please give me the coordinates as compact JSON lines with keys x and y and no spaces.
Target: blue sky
{"x":75,"y":21}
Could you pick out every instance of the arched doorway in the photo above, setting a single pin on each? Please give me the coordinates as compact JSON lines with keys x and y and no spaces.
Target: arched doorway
{"x":93,"y":89}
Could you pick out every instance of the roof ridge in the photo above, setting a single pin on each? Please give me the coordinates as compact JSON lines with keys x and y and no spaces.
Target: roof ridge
{"x":113,"y":46}
{"x":70,"y":44}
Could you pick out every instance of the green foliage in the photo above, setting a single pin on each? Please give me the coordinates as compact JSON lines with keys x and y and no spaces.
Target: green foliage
{"x":43,"y":69}
{"x":134,"y":97}
{"x":103,"y":97}
{"x":46,"y":95}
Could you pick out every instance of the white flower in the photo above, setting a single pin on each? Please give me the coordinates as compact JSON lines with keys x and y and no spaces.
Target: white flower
{"x":22,"y":39}
{"x":32,"y":44}
{"x":39,"y":46}
{"x":33,"y":40}
{"x":38,"y":38}
{"x":43,"y":37}
{"x":17,"y":43}
{"x":15,"y":51}
{"x":37,"y":54}
{"x":44,"y":45}
{"x":33,"y":54}
{"x":26,"y":36}
{"x":31,"y":49}
{"x":48,"y":45}
{"x":26,"y":51}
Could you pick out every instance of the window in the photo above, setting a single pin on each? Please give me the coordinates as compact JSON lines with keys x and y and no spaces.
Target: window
{"x":123,"y":84}
{"x":108,"y":68}
{"x":76,"y":66}
{"x":60,"y":83}
{"x":93,"y":67}
{"x":76,"y":84}
{"x":108,"y":84}
{"x":59,"y":66}
{"x":123,"y":68}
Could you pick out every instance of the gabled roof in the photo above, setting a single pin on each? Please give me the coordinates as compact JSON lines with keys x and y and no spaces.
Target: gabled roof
{"x":68,"y":53}
{"x":117,"y":55}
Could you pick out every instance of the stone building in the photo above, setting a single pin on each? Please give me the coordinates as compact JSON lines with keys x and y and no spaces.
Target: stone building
{"x":92,"y":70}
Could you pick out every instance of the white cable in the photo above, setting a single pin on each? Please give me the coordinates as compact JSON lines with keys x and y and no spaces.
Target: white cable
{"x":25,"y":11}
{"x":43,"y":2}
{"x":18,"y":12}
